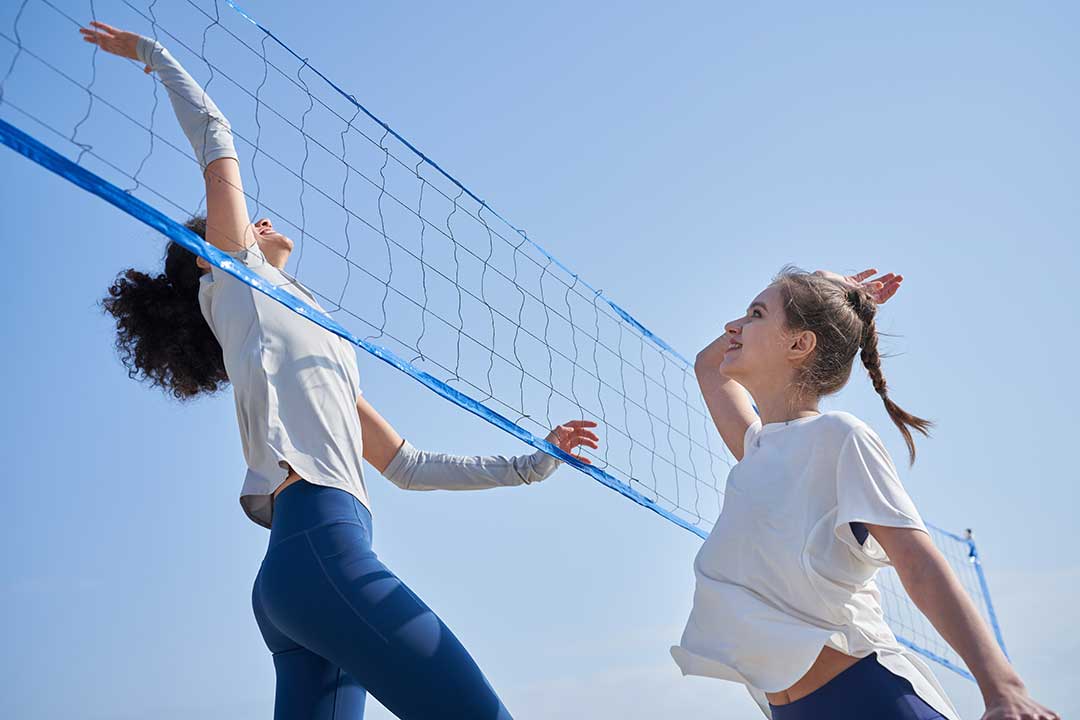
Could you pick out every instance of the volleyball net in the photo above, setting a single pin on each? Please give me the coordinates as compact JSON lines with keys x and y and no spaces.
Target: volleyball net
{"x":410,"y":264}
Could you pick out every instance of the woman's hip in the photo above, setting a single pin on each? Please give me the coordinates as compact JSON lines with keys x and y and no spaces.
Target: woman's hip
{"x":303,"y":507}
{"x":866,"y":689}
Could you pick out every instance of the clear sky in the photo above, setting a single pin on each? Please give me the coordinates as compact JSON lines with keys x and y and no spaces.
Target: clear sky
{"x":675,"y":154}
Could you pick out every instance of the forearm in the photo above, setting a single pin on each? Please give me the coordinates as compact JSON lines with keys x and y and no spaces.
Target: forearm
{"x":727,"y":401}
{"x":935,"y":590}
{"x":413,"y":469}
{"x":203,"y":123}
{"x":211,"y":139}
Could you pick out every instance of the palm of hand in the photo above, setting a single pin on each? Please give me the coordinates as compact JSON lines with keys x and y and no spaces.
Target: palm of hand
{"x":880,"y":288}
{"x":574,"y":434}
{"x":112,"y":40}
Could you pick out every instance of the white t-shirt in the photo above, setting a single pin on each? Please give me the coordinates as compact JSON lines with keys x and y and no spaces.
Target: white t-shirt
{"x":781,"y":574}
{"x":295,"y":384}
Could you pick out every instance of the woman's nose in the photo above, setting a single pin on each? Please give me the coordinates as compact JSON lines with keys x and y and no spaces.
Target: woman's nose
{"x":264,"y":223}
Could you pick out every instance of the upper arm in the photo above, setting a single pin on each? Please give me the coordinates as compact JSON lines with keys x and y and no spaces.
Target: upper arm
{"x":729,"y":405}
{"x":227,"y":224}
{"x":381,"y":440}
{"x":909,"y":549}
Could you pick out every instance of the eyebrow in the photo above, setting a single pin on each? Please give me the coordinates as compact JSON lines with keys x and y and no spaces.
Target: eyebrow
{"x":757,"y":304}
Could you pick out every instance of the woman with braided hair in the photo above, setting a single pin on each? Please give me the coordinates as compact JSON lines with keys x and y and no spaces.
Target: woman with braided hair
{"x":785,"y":601}
{"x":338,"y":622}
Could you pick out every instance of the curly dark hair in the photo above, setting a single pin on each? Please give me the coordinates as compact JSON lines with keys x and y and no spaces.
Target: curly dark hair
{"x":161,"y":335}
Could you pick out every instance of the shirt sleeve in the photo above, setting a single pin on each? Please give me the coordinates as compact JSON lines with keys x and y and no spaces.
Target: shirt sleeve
{"x":252,"y":256}
{"x":869,"y":490}
{"x":413,"y":469}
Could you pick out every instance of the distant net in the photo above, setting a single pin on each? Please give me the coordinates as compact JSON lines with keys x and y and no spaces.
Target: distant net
{"x":410,"y":264}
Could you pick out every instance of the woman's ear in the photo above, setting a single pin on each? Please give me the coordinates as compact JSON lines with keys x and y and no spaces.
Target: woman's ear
{"x":201,"y":263}
{"x":801,"y":346}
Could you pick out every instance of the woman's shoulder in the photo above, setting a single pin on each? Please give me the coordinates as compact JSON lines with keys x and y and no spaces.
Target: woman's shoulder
{"x":843,"y":424}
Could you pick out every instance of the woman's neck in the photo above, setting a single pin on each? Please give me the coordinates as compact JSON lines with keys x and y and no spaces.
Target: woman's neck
{"x":780,"y":405}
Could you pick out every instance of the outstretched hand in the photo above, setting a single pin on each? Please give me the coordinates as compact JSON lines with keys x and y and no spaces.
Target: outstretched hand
{"x":880,"y":288}
{"x":574,"y":434}
{"x":112,"y":40}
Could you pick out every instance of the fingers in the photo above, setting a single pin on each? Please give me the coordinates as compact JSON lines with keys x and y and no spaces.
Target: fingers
{"x":104,"y":26}
{"x":887,"y":293}
{"x":890,"y":289}
{"x":586,"y":434}
{"x":583,"y":437}
{"x":574,"y":434}
{"x":880,"y":288}
{"x":97,"y":33}
{"x":112,"y":40}
{"x":96,"y":38}
{"x":579,"y":428}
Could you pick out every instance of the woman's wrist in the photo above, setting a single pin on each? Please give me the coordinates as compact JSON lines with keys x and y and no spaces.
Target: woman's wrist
{"x":711,"y":357}
{"x":1006,"y":683}
{"x":145,"y":50}
{"x":543,"y":465}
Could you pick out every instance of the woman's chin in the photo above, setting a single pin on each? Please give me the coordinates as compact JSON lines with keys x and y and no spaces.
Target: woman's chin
{"x":730,"y":367}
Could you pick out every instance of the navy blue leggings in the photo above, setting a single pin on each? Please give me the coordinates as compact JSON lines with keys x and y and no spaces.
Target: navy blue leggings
{"x":340,"y":624}
{"x":864,"y":690}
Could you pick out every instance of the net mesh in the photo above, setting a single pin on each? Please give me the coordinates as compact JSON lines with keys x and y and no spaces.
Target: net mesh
{"x":396,"y":249}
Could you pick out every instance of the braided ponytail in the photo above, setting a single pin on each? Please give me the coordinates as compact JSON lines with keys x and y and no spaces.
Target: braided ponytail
{"x":842,"y":319}
{"x":866,"y":310}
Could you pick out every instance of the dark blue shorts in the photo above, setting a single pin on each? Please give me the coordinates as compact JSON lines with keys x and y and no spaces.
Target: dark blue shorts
{"x":865,"y":690}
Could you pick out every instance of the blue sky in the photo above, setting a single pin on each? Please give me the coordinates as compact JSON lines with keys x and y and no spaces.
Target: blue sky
{"x":677,"y":157}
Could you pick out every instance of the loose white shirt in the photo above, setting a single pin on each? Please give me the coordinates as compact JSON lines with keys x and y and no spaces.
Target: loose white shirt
{"x":781,"y":575}
{"x":295,"y":383}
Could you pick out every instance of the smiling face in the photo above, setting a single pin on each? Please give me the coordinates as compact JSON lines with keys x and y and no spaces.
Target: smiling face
{"x":763,"y":351}
{"x":275,"y":246}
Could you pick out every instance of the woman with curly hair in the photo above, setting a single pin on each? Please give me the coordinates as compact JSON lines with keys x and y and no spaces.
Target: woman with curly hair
{"x":338,"y":622}
{"x":785,"y":601}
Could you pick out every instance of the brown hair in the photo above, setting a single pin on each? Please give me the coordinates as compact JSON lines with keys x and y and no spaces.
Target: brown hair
{"x":842,"y":319}
{"x":161,"y":335}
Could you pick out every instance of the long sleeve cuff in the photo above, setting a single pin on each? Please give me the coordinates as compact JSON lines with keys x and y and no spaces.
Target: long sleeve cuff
{"x":413,"y":469}
{"x":203,"y":123}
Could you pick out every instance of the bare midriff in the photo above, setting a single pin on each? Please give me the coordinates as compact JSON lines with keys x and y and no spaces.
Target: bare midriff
{"x":828,"y":665}
{"x":292,"y":477}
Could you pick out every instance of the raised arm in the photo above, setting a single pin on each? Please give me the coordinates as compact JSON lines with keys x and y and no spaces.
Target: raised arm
{"x":227,"y":225}
{"x":728,"y":402}
{"x":934,"y":589}
{"x":413,"y":469}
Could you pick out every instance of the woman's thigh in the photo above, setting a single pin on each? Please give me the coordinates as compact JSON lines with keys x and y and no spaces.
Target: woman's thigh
{"x":326,"y":590}
{"x":308,"y":686}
